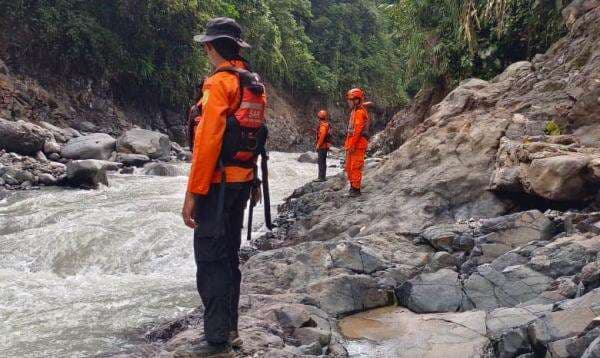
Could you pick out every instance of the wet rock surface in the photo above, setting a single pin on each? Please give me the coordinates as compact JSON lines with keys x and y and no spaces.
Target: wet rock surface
{"x":93,"y":146}
{"x":155,"y":145}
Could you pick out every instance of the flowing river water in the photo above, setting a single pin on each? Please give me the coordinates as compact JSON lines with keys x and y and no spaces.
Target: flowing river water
{"x":81,"y":270}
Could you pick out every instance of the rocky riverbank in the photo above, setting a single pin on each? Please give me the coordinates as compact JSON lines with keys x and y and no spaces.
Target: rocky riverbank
{"x":33,"y":155}
{"x":482,"y":228}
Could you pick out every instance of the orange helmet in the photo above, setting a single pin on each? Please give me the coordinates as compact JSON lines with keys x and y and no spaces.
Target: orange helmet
{"x":356,"y":93}
{"x":322,"y":114}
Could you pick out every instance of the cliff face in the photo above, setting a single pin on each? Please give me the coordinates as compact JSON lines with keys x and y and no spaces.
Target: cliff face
{"x":90,"y":107}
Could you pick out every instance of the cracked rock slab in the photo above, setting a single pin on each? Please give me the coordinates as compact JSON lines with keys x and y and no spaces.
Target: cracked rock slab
{"x":440,"y":291}
{"x":404,"y":334}
{"x":347,"y":294}
{"x":489,"y":289}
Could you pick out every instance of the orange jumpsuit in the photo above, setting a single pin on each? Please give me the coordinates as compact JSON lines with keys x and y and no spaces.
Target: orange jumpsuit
{"x":221,"y":93}
{"x":356,"y":146}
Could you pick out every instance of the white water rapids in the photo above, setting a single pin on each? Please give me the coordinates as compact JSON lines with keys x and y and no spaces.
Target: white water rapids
{"x":81,"y":270}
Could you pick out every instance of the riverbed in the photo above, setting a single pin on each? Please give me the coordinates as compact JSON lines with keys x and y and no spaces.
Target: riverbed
{"x":82,"y":271}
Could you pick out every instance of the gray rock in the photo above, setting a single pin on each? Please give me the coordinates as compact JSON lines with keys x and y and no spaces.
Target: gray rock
{"x":593,"y":351}
{"x":21,"y":137}
{"x":14,"y":176}
{"x":560,"y":178}
{"x":47,"y":179}
{"x":589,"y":300}
{"x":311,"y":349}
{"x":310,"y":335}
{"x":51,"y":147}
{"x":155,"y":145}
{"x":489,"y":289}
{"x":508,"y":259}
{"x":513,"y":342}
{"x":132,"y":160}
{"x":59,"y":134}
{"x":87,"y":126}
{"x":54,"y":156}
{"x":447,"y":236}
{"x":93,"y":146}
{"x":559,"y":325}
{"x":441,"y":260}
{"x":508,"y":232}
{"x":506,"y":319}
{"x":111,"y":166}
{"x":356,"y":258}
{"x":433,"y":292}
{"x":590,"y":274}
{"x":347,"y":294}
{"x":566,"y":256}
{"x":41,"y":156}
{"x":127,"y":170}
{"x":308,"y":157}
{"x":161,"y":169}
{"x":87,"y":174}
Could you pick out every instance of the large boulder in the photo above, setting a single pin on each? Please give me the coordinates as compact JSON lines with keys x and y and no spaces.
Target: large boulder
{"x":161,"y":169}
{"x":86,"y":174}
{"x":141,"y":141}
{"x":61,"y":135}
{"x":560,"y":178}
{"x":440,"y":291}
{"x":94,"y":146}
{"x":21,"y":137}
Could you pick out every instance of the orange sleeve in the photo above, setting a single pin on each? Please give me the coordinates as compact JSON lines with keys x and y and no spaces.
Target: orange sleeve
{"x":209,"y":137}
{"x":322,"y":135}
{"x":360,"y":120}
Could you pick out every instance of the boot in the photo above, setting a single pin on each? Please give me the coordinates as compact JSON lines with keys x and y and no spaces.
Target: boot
{"x":319,"y":180}
{"x":353,"y":193}
{"x":207,"y":350}
{"x":235,"y":341}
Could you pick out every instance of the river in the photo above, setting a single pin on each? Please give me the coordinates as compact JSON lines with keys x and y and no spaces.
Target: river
{"x":80,"y":271}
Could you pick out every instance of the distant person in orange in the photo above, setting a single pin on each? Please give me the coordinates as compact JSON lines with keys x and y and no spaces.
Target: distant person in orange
{"x":356,"y":139}
{"x":323,"y":143}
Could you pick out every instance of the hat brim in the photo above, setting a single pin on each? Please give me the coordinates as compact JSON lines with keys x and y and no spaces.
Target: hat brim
{"x":206,"y":38}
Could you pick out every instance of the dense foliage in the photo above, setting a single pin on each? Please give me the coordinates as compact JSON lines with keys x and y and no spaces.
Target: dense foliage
{"x":311,"y":48}
{"x":444,"y":41}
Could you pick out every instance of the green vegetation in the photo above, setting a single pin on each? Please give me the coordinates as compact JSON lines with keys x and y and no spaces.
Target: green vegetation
{"x":444,"y":41}
{"x":316,"y":49}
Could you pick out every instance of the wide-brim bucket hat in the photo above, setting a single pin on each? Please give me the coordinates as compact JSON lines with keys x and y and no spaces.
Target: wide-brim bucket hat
{"x":222,"y":27}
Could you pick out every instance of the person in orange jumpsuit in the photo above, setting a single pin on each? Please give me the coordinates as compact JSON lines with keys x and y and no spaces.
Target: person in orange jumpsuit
{"x":356,"y":139}
{"x":323,"y":143}
{"x":217,"y":236}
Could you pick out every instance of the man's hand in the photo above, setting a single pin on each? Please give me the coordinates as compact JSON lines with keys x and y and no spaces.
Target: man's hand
{"x":188,"y":211}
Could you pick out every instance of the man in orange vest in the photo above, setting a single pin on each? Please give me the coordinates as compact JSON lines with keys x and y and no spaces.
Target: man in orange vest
{"x":356,"y":139}
{"x":323,"y":143}
{"x":217,"y":236}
